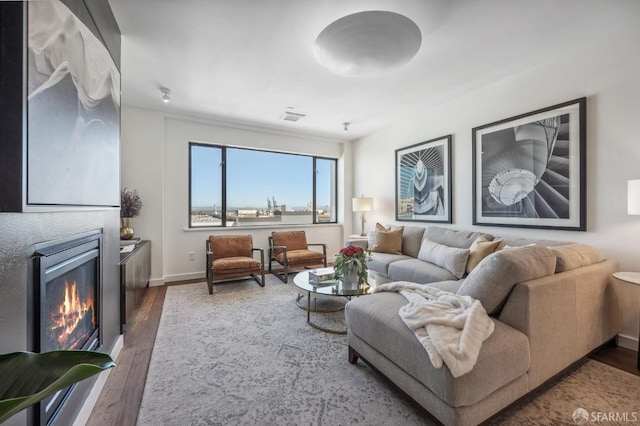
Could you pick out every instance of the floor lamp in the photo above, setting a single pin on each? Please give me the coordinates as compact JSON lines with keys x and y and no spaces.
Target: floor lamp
{"x":362,"y":204}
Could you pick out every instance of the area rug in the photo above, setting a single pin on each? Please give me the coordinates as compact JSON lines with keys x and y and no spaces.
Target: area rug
{"x":245,"y":356}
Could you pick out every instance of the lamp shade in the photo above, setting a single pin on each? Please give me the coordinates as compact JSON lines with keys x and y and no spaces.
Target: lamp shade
{"x":633,"y":197}
{"x":362,"y":204}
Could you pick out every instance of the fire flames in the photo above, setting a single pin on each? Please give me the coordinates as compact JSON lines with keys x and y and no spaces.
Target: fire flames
{"x":72,"y":313}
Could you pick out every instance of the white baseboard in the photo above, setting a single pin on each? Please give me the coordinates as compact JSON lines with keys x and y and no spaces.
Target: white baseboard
{"x":628,"y":342}
{"x":156,"y":282}
{"x":87,"y":407}
{"x":184,"y":277}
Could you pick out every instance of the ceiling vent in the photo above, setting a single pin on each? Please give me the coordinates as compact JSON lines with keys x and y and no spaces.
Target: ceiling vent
{"x":292,"y":116}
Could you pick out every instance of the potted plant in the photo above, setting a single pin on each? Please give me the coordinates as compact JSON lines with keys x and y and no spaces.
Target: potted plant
{"x":130,"y":206}
{"x":350,"y":265}
{"x":29,"y":377}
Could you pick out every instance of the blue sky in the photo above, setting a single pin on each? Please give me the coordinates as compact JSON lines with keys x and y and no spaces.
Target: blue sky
{"x":252,"y":176}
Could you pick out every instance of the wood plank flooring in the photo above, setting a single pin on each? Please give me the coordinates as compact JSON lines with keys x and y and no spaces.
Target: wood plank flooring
{"x":618,"y":357}
{"x":121,"y":396}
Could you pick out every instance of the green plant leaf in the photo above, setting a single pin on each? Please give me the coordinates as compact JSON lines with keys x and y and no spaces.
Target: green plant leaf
{"x":29,"y":377}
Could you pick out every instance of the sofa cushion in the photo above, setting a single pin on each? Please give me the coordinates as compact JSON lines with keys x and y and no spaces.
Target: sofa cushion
{"x":492,"y":280}
{"x":481,"y":248}
{"x":572,"y":256}
{"x":504,"y":356}
{"x":453,"y":237}
{"x":448,"y":285}
{"x":387,"y":241}
{"x":452,"y":259}
{"x":380,"y":262}
{"x":417,"y":271}
{"x":411,"y":239}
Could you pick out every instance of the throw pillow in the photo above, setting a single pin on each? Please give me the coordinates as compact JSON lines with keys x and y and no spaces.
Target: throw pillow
{"x":492,"y":280}
{"x":387,"y":241}
{"x":452,"y":259}
{"x":573,"y":256}
{"x":480,"y":248}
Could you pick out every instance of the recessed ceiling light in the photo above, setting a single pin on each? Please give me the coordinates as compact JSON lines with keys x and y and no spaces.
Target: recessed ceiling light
{"x":368,"y":43}
{"x":166,"y":95}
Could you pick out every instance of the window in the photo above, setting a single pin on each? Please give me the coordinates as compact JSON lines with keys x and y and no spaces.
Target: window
{"x":205,"y":185}
{"x":325,"y":193}
{"x":245,"y":187}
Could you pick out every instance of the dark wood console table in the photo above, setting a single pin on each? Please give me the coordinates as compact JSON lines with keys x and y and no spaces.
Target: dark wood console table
{"x":135,"y":272}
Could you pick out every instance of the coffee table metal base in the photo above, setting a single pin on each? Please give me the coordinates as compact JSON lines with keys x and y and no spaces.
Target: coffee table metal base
{"x":313,"y":324}
{"x":315,"y":305}
{"x":334,"y":288}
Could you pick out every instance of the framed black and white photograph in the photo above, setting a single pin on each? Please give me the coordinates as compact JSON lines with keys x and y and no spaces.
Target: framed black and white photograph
{"x":423,"y":181}
{"x":530,"y":170}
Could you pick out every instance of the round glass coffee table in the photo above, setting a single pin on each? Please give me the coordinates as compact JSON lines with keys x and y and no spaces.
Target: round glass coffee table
{"x":327,"y":288}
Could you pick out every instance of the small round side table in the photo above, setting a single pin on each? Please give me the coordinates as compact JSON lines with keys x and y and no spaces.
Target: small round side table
{"x":632,"y":278}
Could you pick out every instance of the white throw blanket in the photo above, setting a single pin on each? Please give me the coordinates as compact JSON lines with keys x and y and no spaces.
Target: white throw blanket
{"x":450,"y":327}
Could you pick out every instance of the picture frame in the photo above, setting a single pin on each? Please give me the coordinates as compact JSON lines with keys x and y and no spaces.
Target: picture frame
{"x":423,"y":181}
{"x":529,"y":171}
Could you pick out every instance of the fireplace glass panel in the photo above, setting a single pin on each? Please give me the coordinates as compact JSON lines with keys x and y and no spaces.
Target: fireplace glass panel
{"x":71,"y":314}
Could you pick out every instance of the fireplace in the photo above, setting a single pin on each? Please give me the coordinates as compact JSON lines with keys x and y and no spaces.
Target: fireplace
{"x":68,"y":289}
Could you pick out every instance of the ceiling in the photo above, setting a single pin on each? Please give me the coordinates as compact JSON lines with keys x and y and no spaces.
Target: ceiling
{"x":245,"y":62}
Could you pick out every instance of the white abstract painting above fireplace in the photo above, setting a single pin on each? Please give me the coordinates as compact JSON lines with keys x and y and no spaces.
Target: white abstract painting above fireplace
{"x":74,"y":112}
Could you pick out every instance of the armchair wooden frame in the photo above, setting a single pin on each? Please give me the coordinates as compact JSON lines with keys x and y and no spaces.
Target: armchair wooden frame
{"x":283,"y":275}
{"x":211,"y":276}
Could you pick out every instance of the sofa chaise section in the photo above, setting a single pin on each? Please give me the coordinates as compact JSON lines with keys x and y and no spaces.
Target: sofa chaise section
{"x":543,"y":326}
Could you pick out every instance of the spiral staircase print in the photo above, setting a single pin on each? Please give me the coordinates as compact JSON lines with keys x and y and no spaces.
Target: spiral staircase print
{"x":526,"y":173}
{"x":421,"y":182}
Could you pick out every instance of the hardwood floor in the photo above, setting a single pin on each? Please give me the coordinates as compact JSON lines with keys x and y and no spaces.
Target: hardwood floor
{"x":121,"y":396}
{"x":618,"y":357}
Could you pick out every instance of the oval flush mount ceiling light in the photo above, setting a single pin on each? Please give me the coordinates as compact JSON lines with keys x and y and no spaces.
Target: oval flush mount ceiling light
{"x":368,"y":43}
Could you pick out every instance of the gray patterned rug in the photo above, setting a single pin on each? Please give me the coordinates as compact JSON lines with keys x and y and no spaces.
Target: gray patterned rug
{"x":245,"y":356}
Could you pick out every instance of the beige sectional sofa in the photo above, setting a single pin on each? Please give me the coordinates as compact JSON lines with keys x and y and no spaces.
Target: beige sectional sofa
{"x":551,"y":302}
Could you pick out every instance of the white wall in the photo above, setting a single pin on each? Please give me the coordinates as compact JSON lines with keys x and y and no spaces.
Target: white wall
{"x":607,"y":72}
{"x":155,"y":161}
{"x":141,"y":168}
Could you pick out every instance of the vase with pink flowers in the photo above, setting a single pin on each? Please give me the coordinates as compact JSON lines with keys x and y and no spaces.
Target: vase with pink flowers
{"x":350,"y":265}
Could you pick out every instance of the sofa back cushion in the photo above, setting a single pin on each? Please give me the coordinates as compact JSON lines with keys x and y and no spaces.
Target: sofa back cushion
{"x":492,"y":280}
{"x":572,"y":256}
{"x":387,"y":241}
{"x":452,"y":259}
{"x":453,"y":237}
{"x":411,"y":239}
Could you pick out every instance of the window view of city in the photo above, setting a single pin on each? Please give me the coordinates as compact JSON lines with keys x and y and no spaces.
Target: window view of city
{"x":260,"y":187}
